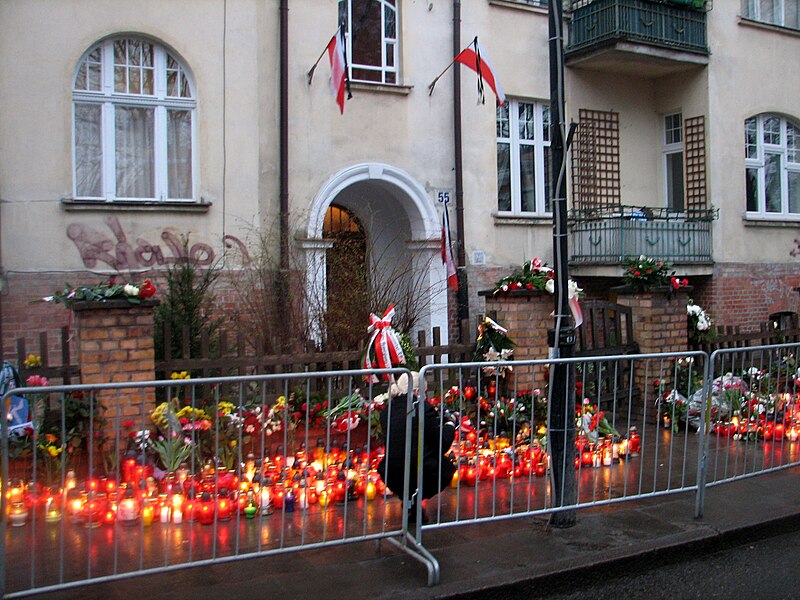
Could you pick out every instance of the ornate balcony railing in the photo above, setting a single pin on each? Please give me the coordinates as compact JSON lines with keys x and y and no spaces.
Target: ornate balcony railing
{"x":676,"y":25}
{"x":610,"y":236}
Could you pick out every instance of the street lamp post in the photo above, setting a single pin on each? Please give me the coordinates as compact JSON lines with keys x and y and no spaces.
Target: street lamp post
{"x":561,"y":338}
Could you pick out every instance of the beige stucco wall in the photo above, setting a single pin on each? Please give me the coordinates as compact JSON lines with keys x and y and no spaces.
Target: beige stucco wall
{"x":49,"y":39}
{"x":753,"y":70}
{"x":234,"y":62}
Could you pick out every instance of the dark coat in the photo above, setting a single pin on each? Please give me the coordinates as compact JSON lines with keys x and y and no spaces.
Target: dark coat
{"x":437,"y":469}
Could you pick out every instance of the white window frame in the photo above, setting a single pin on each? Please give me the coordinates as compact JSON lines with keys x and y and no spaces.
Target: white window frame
{"x":789,"y":164}
{"x":109,"y":99}
{"x":671,"y":148}
{"x":540,"y":144}
{"x":390,"y":47}
{"x":752,"y":10}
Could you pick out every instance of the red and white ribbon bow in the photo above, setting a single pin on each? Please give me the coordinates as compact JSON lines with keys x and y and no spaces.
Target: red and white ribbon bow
{"x":384,"y":341}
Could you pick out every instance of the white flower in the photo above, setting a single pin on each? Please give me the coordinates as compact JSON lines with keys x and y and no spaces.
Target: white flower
{"x":550,"y":286}
{"x":693,"y":309}
{"x":574,"y":290}
{"x":130,"y":290}
{"x":491,"y":355}
{"x":506,"y":353}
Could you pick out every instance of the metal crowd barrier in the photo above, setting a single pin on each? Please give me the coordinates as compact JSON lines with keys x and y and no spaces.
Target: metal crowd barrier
{"x":168,"y":474}
{"x":240,"y":467}
{"x":629,"y":440}
{"x":754,"y":420}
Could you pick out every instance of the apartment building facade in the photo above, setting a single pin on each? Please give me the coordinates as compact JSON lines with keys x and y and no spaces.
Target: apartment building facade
{"x":136,"y":134}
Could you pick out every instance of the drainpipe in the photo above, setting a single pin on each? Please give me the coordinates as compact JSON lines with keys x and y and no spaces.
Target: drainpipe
{"x":283,"y":276}
{"x":462,"y":295}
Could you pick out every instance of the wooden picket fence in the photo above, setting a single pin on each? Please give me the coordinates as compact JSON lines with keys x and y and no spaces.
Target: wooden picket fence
{"x":229,"y":355}
{"x":731,"y":336}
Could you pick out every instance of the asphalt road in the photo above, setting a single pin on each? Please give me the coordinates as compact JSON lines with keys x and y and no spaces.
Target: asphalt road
{"x":763,"y":568}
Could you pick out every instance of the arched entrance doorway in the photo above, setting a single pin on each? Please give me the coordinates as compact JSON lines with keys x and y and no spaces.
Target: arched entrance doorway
{"x":347,"y":294}
{"x":401,"y":232}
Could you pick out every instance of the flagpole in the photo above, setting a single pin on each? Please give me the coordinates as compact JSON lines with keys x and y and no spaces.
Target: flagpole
{"x":433,"y":83}
{"x":452,"y":62}
{"x":310,"y":73}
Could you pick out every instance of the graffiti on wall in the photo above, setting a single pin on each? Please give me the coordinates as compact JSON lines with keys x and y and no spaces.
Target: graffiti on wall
{"x":796,"y":250}
{"x":117,"y":252}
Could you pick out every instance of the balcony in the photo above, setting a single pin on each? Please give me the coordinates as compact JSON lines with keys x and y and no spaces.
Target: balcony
{"x":606,"y":238}
{"x":649,"y":38}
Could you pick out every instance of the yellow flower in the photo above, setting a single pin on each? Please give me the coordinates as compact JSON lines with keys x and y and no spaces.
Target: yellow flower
{"x":233,"y":443}
{"x":193,"y":414}
{"x":159,"y":415}
{"x":280,"y":402}
{"x":225,"y":408}
{"x":180,"y":375}
{"x":33,"y":361}
{"x":54,"y":451}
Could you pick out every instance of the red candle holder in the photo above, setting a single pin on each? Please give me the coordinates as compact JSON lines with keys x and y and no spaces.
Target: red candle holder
{"x":224,"y":505}
{"x":206,"y":509}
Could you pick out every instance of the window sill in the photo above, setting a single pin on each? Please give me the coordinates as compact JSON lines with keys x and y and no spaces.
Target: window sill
{"x":524,"y":220}
{"x":72,"y":205}
{"x":382,"y":88}
{"x":768,"y":26}
{"x":519,"y":6}
{"x":780,"y":222}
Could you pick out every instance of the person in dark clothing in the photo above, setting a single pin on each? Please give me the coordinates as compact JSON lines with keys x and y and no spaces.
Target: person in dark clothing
{"x":438,"y":435}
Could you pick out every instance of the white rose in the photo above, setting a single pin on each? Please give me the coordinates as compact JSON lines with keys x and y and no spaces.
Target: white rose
{"x":130,"y":290}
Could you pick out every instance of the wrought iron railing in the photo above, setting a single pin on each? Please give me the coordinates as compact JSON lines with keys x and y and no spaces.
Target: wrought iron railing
{"x":610,"y":236}
{"x":675,"y":25}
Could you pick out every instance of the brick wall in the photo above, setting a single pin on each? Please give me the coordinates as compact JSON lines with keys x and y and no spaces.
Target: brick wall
{"x":23,"y":316}
{"x":746,"y":295}
{"x":737,"y":294}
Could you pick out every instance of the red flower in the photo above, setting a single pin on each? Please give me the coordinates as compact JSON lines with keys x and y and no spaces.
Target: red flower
{"x":37,"y":381}
{"x":128,"y":423}
{"x":147,"y":289}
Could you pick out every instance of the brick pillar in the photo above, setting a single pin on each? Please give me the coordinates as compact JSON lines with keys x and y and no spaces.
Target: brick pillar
{"x":527,"y":316}
{"x":115,"y":344}
{"x":659,"y":321}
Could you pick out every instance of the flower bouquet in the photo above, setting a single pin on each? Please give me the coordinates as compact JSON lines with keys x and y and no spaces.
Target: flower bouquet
{"x":134,"y":293}
{"x":645,"y":273}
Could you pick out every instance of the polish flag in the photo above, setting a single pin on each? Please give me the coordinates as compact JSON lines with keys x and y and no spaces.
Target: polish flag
{"x":336,"y":55}
{"x":447,"y":252}
{"x":474,"y":57}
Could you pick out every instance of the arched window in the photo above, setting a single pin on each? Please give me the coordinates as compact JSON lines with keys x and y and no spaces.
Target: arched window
{"x":133,"y":119}
{"x":772,"y":166}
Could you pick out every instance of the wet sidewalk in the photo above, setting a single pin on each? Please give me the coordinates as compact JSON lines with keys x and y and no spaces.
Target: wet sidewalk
{"x":481,"y":557}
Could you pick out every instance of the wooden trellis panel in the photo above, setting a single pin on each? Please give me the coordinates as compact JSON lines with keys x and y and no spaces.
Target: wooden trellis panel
{"x":595,"y":161}
{"x":695,"y":145}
